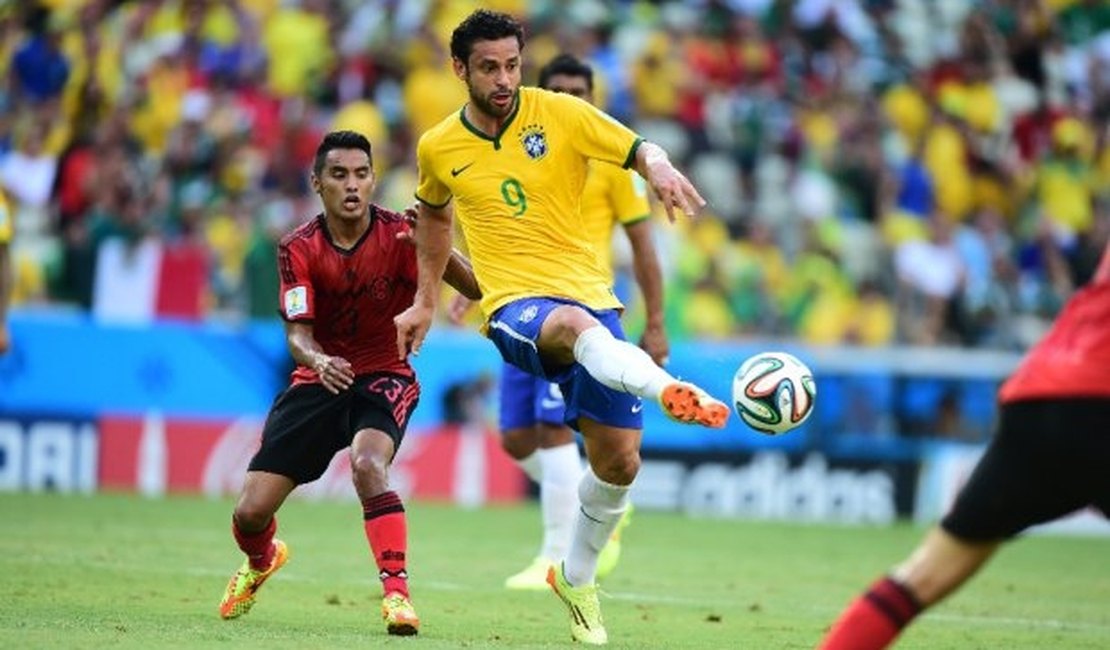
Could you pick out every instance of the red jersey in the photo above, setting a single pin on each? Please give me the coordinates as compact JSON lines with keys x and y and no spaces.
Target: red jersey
{"x":1073,"y":359}
{"x":349,"y":296}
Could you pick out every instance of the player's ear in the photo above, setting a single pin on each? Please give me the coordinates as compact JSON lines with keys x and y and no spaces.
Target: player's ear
{"x":314,"y":181}
{"x":459,"y":66}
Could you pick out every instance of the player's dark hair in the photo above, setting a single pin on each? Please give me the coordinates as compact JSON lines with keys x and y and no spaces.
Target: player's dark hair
{"x":568,"y":65}
{"x":340,"y":140}
{"x":483,"y":25}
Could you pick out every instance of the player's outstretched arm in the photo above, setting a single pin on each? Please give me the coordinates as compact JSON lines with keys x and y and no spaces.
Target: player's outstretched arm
{"x":433,"y":249}
{"x":649,"y":276}
{"x":669,"y":184}
{"x":335,"y":373}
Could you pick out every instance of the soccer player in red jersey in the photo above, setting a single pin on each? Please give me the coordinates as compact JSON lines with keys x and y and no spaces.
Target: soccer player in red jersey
{"x":1050,"y":457}
{"x":344,"y":276}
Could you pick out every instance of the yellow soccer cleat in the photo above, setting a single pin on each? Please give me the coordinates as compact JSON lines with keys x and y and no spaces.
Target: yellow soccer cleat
{"x":585,"y":610}
{"x":399,"y":615}
{"x":685,"y":402}
{"x":611,"y":553}
{"x":241,"y":590}
{"x":532,"y":578}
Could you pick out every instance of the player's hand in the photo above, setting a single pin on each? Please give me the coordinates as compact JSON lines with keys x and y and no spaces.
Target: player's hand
{"x":673,"y":189}
{"x":408,"y":234}
{"x":654,"y":342}
{"x":456,"y":311}
{"x":412,"y":326}
{"x":5,"y":338}
{"x":335,"y":373}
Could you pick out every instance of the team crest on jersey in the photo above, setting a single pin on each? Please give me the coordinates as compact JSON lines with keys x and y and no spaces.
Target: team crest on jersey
{"x":529,"y":314}
{"x":534,"y":141}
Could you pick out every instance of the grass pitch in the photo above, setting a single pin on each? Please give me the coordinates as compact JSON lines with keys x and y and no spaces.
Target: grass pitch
{"x":126,"y":572}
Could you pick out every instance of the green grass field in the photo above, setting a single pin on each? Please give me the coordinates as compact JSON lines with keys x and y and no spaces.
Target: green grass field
{"x":126,"y":572}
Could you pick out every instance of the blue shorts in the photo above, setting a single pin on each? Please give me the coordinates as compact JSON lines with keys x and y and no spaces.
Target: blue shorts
{"x":514,"y":329}
{"x":527,"y":400}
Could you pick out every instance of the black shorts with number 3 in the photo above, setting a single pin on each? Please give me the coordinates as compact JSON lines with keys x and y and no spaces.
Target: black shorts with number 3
{"x":1048,"y":458}
{"x":308,"y":424}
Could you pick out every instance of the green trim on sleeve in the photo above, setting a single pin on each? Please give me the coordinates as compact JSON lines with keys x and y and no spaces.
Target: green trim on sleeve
{"x":430,"y":204}
{"x":631,"y":159}
{"x":635,"y":220}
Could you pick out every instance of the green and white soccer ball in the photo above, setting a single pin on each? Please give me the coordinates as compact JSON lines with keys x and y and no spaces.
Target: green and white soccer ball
{"x":773,"y":392}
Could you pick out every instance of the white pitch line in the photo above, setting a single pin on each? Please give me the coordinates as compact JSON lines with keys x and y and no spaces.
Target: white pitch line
{"x":629,"y":596}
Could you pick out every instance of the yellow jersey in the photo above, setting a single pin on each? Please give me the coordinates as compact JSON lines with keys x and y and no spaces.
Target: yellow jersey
{"x":518,"y":195}
{"x":6,"y":218}
{"x":612,"y":196}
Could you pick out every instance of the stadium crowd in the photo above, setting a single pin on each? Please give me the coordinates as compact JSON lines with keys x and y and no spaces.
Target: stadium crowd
{"x":933,"y":172}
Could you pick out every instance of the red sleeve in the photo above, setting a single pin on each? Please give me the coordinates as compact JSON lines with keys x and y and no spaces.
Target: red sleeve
{"x":297,"y":300}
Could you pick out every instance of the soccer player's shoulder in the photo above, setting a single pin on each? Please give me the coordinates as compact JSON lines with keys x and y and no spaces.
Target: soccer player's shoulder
{"x":441,"y":130}
{"x":550,"y":100}
{"x":302,"y":233}
{"x":388,"y":219}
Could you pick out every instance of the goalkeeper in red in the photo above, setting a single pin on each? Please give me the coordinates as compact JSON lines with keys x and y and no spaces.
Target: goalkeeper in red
{"x":513,"y":163}
{"x":344,"y":275}
{"x":1050,"y":456}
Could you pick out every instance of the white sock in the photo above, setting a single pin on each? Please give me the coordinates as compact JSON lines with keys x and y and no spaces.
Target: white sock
{"x":562,"y":472}
{"x":532,"y":466}
{"x":619,"y":364}
{"x":602,"y":506}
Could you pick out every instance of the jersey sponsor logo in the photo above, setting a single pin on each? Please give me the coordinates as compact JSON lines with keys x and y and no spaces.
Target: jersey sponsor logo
{"x":534,"y":141}
{"x":549,"y":404}
{"x":529,"y":314}
{"x":296,"y":302}
{"x":554,"y":398}
{"x":455,"y":171}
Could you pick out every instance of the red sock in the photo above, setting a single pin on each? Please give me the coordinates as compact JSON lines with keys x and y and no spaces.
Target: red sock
{"x":384,"y":521}
{"x":874,"y":619}
{"x":258,"y":546}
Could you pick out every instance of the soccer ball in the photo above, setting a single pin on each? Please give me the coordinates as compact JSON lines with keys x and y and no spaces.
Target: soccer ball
{"x":773,"y":392}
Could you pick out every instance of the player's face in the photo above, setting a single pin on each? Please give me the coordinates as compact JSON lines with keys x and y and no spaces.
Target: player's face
{"x":492,"y":75}
{"x":345,"y":184}
{"x":571,"y":85}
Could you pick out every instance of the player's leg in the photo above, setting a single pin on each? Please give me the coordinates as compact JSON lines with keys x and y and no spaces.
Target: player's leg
{"x":571,"y":334}
{"x":1041,"y":465}
{"x":520,"y":440}
{"x":533,"y":434}
{"x":373,"y":447}
{"x":939,"y":565}
{"x":296,"y":448}
{"x":254,"y":524}
{"x":613,"y":453}
{"x":611,"y":423}
{"x":562,"y":472}
{"x":614,"y":460}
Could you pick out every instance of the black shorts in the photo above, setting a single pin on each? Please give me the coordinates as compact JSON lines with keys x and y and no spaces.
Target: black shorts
{"x":1048,"y":458}
{"x":307,"y":424}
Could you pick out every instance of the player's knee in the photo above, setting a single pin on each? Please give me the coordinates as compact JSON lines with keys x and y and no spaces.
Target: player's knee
{"x":252,"y":516}
{"x":561,"y":329}
{"x":369,"y":469}
{"x":519,"y":443}
{"x":618,"y":469}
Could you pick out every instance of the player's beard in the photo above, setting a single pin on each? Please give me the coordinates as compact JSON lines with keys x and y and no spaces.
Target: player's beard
{"x":485,"y":104}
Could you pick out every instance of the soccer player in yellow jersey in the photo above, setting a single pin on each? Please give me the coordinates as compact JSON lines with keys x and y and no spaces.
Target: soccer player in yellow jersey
{"x":6,"y":228}
{"x":515,"y":160}
{"x":533,"y":431}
